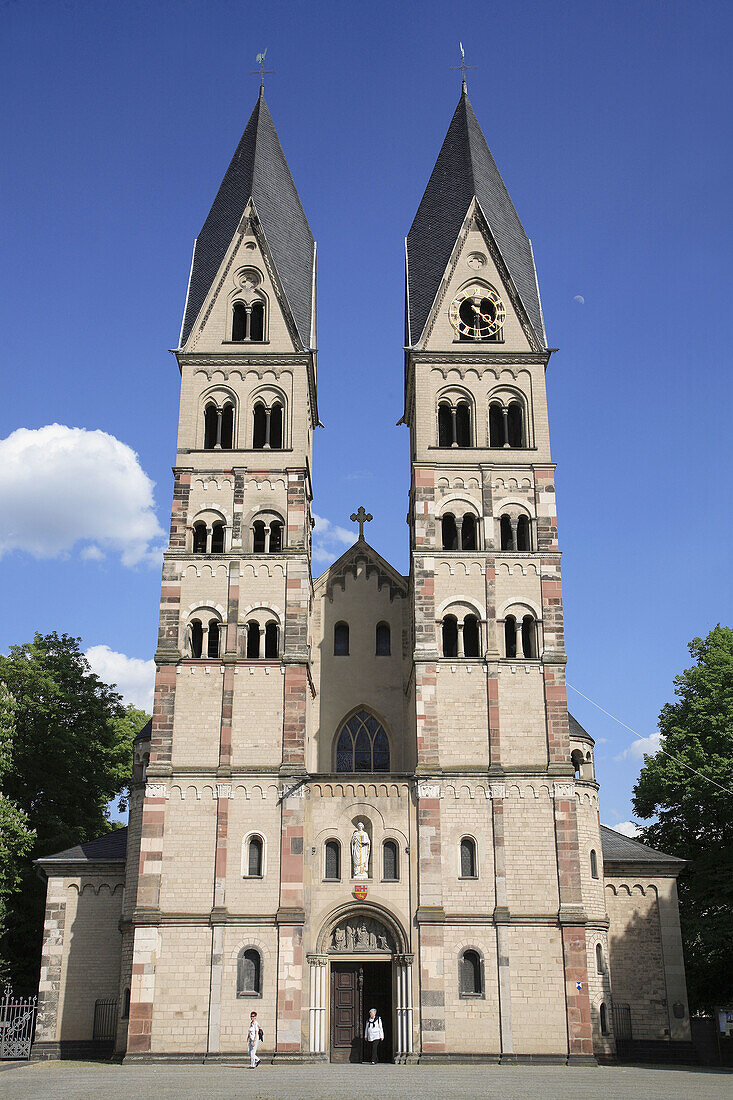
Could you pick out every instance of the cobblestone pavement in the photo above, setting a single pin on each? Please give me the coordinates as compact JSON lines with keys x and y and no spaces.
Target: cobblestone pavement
{"x":79,"y":1081}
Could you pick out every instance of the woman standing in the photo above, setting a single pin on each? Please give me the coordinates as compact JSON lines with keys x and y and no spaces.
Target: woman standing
{"x":373,"y":1032}
{"x":253,"y":1038}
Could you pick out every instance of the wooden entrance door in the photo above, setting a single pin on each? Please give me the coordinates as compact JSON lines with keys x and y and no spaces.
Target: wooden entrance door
{"x":347,"y":984}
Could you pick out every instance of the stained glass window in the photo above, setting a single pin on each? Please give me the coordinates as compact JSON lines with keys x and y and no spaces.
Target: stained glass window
{"x":362,"y":745}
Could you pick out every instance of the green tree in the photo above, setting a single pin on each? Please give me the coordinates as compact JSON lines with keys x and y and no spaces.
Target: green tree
{"x":16,"y":836}
{"x":71,"y":755}
{"x":694,"y":816}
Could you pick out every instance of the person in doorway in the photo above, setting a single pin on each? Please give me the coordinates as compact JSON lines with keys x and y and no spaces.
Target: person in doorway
{"x":253,"y":1038}
{"x":373,"y":1032}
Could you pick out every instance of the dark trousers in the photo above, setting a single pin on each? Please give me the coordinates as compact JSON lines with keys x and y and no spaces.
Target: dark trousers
{"x":372,"y":1050}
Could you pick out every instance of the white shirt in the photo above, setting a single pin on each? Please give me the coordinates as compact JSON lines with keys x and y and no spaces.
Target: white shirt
{"x":373,"y":1029}
{"x":254,"y":1032}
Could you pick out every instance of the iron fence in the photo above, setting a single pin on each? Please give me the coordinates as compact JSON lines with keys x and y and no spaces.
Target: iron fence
{"x":17,"y":1020}
{"x":105,"y":1020}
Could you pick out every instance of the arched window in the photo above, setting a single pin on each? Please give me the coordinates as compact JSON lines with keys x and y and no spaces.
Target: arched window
{"x":576,"y":759}
{"x":471,"y":983}
{"x":254,"y":857}
{"x":249,"y":973}
{"x":258,"y":537}
{"x":239,"y":322}
{"x":510,"y":636}
{"x":196,"y":638}
{"x":468,"y":858}
{"x":199,"y":538}
{"x":506,"y":424}
{"x":219,"y":427}
{"x":267,"y":429}
{"x":450,"y":636}
{"x":212,"y":647}
{"x":383,"y":640}
{"x":362,"y":745}
{"x":506,"y":532}
{"x":126,"y":1004}
{"x":529,"y":637}
{"x":600,"y":969}
{"x":454,"y":423}
{"x":257,"y":321}
{"x":468,"y":532}
{"x":604,"y":1020}
{"x":276,"y":536}
{"x":390,"y":867}
{"x":217,"y":538}
{"x":253,"y":640}
{"x":471,"y":637}
{"x":445,"y":425}
{"x":593,"y":863}
{"x":449,"y":531}
{"x":496,"y":425}
{"x":271,"y":639}
{"x":515,"y":430}
{"x":523,"y":536}
{"x":341,"y":640}
{"x":333,"y":861}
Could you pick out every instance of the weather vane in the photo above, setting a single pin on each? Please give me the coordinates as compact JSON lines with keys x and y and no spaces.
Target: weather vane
{"x":463,"y":66}
{"x":262,"y":72}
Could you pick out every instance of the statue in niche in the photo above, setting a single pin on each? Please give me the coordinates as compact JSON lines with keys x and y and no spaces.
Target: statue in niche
{"x":360,"y":847}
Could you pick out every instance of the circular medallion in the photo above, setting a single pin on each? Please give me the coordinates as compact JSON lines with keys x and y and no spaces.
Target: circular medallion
{"x":477,"y":313}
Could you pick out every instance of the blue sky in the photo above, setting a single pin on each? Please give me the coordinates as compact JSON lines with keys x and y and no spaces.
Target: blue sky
{"x":608,"y":123}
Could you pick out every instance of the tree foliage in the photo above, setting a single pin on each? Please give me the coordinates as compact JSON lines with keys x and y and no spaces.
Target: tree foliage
{"x":694,"y":816}
{"x":71,"y":755}
{"x":16,"y":836}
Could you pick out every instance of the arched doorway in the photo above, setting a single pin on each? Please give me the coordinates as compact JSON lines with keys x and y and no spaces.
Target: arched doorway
{"x":361,"y":964}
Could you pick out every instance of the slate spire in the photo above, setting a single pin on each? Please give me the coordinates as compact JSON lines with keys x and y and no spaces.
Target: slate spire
{"x":258,"y":171}
{"x":464,"y":170}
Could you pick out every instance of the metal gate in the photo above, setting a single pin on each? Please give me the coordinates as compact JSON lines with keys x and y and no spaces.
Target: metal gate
{"x":622,"y":1023}
{"x":17,"y":1018}
{"x":105,"y":1021}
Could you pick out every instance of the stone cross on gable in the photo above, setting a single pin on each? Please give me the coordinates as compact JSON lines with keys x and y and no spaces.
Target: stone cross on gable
{"x":361,"y":517}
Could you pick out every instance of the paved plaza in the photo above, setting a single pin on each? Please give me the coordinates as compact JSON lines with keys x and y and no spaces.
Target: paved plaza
{"x":79,"y":1081}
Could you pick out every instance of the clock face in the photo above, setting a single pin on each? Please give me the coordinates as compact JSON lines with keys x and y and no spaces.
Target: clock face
{"x":477,"y":313}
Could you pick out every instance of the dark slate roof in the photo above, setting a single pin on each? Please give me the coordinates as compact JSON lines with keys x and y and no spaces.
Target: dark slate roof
{"x":576,"y":730}
{"x":104,"y":849}
{"x":258,"y":171}
{"x":624,"y":849}
{"x":146,"y":732}
{"x":465,"y":168}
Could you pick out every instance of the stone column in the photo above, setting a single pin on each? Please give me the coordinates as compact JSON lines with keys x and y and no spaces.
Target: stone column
{"x":49,"y":985}
{"x":404,"y":1044}
{"x":317,"y":1012}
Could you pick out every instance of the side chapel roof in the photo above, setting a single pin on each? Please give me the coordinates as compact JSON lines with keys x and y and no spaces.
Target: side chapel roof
{"x":258,"y":171}
{"x":465,"y":169}
{"x":618,"y":848}
{"x":103,"y":849}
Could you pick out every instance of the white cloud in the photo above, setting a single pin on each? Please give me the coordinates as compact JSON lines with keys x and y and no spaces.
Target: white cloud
{"x":134,"y":677}
{"x":62,"y":488}
{"x":330,"y":540}
{"x":579,"y":299}
{"x":644,"y":746}
{"x":628,"y":828}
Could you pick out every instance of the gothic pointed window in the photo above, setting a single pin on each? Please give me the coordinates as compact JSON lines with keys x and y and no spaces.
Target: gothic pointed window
{"x":383,"y":640}
{"x":450,"y":636}
{"x":249,"y":973}
{"x":333,"y":861}
{"x":362,"y":745}
{"x":449,"y":531}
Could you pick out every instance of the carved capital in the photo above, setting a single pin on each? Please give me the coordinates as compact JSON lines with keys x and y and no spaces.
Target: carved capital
{"x":564,"y":790}
{"x":496,"y":790}
{"x":223,"y":790}
{"x":428,"y":790}
{"x":156,"y":790}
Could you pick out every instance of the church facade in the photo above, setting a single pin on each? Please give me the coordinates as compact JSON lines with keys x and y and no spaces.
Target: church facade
{"x":362,"y":790}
